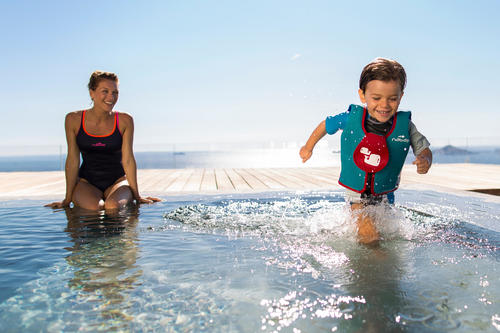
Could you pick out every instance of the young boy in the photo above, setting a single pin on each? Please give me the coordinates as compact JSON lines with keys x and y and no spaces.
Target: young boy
{"x":374,"y":142}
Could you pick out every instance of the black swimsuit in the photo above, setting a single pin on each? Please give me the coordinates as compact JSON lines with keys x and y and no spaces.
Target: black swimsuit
{"x":101,"y":155}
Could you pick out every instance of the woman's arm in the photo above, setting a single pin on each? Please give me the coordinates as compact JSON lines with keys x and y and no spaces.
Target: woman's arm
{"x":71,"y":123}
{"x":128,"y":159}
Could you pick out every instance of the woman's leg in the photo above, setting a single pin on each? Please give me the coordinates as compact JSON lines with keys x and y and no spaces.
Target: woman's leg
{"x":118,"y":195}
{"x":87,"y":196}
{"x":367,"y":233}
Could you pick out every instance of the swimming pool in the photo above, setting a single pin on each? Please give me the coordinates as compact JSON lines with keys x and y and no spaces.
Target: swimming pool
{"x":279,"y":262}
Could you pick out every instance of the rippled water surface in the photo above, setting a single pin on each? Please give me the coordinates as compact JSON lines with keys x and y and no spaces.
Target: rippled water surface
{"x":284,"y":262}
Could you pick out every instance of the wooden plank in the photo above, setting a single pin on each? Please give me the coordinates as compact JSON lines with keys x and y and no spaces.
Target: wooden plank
{"x":469,"y":172}
{"x":179,"y":182}
{"x":57,"y":187}
{"x":237,"y":180}
{"x":320,"y":178}
{"x":305,"y":179}
{"x":327,"y":174}
{"x":194,"y":182}
{"x":146,"y":176}
{"x":252,"y":180}
{"x":270,"y":182}
{"x":163,"y":181}
{"x":461,"y":177}
{"x":287,"y":182}
{"x":12,"y":182}
{"x":157,"y":181}
{"x":168,"y":181}
{"x":222,"y":180}
{"x":208,"y":182}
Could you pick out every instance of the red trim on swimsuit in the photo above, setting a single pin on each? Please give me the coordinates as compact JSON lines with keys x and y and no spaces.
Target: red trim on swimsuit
{"x":100,"y":136}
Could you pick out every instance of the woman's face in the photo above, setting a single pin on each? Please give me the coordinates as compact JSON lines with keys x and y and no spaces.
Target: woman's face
{"x":105,"y":95}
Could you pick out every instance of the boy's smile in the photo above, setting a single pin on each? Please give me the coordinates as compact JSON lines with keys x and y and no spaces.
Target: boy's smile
{"x":382,"y":99}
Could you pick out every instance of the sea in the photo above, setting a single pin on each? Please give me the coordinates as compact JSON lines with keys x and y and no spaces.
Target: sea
{"x":245,"y":158}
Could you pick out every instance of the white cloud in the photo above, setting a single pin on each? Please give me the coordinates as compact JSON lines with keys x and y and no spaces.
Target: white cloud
{"x":295,"y":56}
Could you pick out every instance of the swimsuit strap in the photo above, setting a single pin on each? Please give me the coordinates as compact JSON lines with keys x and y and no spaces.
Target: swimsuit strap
{"x":117,"y":122}
{"x":82,"y":118}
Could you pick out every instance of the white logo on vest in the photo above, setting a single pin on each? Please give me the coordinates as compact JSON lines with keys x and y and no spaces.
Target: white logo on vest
{"x":370,"y":159}
{"x":401,"y":138}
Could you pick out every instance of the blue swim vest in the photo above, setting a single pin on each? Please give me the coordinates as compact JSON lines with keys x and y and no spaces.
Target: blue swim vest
{"x":365,"y":155}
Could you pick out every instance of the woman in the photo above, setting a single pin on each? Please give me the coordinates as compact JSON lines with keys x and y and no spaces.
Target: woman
{"x":107,"y":178}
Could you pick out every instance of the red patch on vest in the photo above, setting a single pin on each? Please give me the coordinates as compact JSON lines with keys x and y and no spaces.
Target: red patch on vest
{"x":371,"y":155}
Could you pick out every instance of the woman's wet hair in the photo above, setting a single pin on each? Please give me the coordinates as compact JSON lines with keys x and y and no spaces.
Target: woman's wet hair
{"x":384,"y":70}
{"x":98,"y":76}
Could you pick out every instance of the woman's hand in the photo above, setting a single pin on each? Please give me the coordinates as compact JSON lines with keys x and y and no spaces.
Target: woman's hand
{"x":147,"y":200}
{"x":59,"y":204}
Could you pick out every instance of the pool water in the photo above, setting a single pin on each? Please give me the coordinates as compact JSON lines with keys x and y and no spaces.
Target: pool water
{"x":282,"y":262}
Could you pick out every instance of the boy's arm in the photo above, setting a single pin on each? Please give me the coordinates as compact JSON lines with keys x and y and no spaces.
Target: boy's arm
{"x":316,"y":135}
{"x":420,"y":146}
{"x":423,"y":161}
{"x":331,"y":125}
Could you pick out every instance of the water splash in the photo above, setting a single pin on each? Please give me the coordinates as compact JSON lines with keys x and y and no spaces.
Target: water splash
{"x":295,"y":216}
{"x":306,"y":217}
{"x":307,"y":234}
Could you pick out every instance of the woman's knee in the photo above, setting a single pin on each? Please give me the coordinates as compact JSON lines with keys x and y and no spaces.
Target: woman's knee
{"x":118,"y":198}
{"x":89,"y":204}
{"x":112,"y":203}
{"x":87,"y":196}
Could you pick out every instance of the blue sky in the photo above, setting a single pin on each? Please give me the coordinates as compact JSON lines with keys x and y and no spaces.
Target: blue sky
{"x":256,"y":71}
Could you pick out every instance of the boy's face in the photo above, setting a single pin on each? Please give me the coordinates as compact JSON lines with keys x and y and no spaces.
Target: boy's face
{"x":382,"y":99}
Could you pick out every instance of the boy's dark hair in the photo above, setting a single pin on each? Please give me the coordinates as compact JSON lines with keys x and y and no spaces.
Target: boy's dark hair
{"x":384,"y":70}
{"x":98,"y":76}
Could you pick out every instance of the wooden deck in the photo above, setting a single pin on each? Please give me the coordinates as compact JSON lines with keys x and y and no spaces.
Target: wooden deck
{"x":164,"y":182}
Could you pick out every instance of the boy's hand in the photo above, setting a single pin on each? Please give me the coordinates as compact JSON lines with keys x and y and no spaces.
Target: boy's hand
{"x":423,"y":161}
{"x":305,"y":153}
